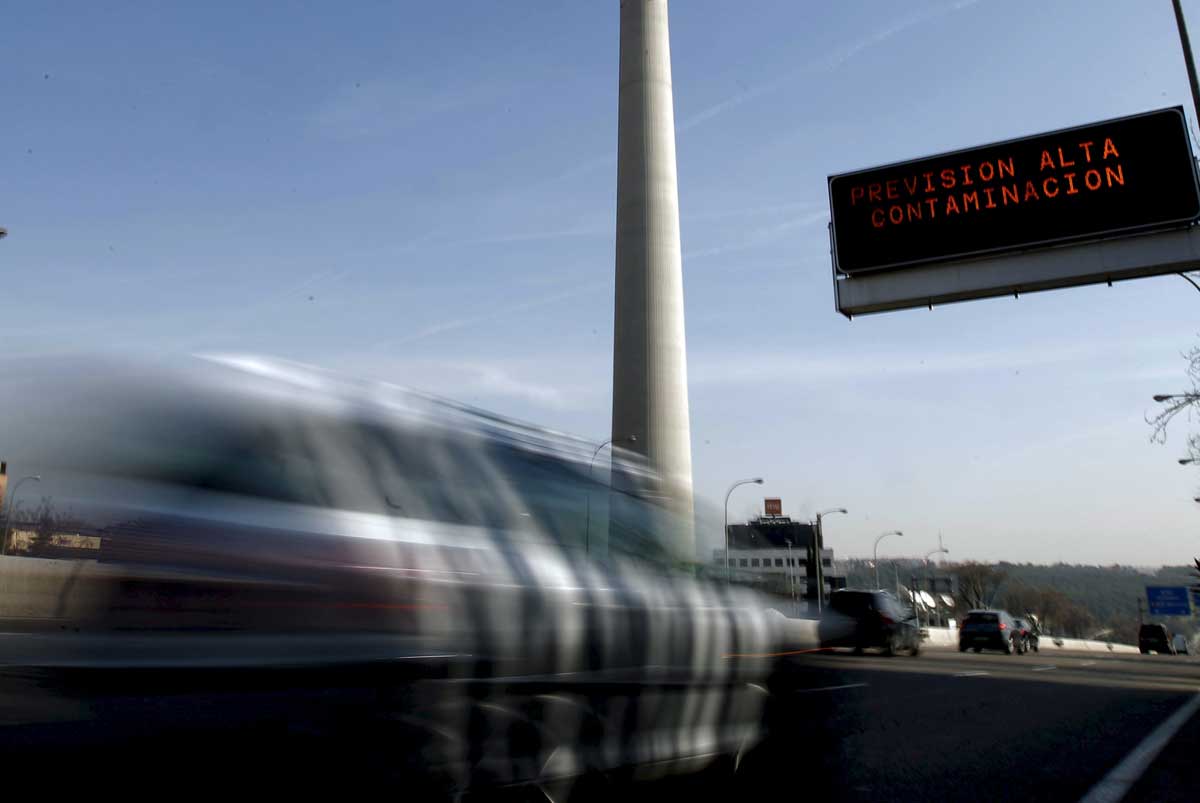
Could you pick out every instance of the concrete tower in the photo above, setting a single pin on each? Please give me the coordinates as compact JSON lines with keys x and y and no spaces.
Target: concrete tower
{"x":650,"y":398}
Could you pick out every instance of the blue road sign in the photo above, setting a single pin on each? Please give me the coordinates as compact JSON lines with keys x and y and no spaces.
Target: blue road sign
{"x":1169,"y":600}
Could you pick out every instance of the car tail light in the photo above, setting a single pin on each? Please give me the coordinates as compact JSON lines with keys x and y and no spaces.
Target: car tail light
{"x":887,"y":620}
{"x":1003,"y":626}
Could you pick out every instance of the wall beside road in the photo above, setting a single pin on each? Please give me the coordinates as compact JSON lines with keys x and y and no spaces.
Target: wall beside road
{"x":948,"y":638}
{"x":40,"y":588}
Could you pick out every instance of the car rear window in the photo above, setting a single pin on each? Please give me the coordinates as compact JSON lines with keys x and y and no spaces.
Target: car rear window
{"x":851,"y":603}
{"x":982,"y":618}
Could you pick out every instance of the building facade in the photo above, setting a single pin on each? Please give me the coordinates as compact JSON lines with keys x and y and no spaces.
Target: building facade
{"x":778,"y":553}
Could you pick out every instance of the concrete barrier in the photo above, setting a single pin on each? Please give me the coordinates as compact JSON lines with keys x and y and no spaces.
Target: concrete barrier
{"x":948,"y":638}
{"x":45,"y":589}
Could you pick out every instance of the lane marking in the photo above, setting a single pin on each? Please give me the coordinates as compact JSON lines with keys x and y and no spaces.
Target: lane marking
{"x":970,"y":674}
{"x":831,"y":688}
{"x":1116,"y":784}
{"x":1087,"y":663}
{"x":1046,"y":668}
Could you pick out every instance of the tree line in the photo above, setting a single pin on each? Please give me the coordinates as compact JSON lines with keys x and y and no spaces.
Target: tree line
{"x":1072,"y":601}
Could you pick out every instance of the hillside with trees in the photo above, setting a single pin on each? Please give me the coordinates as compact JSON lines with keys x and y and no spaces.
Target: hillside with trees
{"x":1075,"y":601}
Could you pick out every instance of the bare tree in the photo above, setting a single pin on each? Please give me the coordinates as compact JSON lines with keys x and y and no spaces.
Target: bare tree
{"x":978,"y":583}
{"x":1056,"y":612}
{"x":1183,"y":402}
{"x":1173,"y":404}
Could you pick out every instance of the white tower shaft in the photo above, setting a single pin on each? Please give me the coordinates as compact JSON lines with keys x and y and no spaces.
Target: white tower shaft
{"x":650,"y":399}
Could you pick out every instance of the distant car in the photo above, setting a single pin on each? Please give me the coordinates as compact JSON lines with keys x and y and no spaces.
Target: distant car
{"x":989,"y":630}
{"x":880,"y":622}
{"x":1180,"y":644}
{"x":1029,"y":635}
{"x":1155,"y":638}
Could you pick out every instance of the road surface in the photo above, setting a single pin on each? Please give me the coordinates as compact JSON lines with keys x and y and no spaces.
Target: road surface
{"x":941,"y":726}
{"x":951,"y":726}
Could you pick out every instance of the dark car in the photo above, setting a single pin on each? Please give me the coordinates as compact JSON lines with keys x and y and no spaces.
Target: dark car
{"x":880,"y":621}
{"x":1028,"y":630}
{"x":989,"y":630}
{"x":1154,"y":637}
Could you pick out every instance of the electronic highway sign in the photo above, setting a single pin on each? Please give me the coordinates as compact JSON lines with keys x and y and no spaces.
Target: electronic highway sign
{"x":1168,"y":601}
{"x":997,"y":205}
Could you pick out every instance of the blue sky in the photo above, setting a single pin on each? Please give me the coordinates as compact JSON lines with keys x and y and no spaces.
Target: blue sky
{"x":425,"y":193}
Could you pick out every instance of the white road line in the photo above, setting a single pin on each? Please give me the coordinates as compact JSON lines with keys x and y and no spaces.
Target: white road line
{"x":1087,"y":663}
{"x":970,"y":674}
{"x":1046,"y":668}
{"x":1112,"y":787}
{"x":831,"y":688}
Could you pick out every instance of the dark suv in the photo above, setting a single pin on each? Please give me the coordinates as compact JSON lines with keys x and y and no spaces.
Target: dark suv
{"x":880,"y":621}
{"x":990,"y":630}
{"x":1155,"y":637}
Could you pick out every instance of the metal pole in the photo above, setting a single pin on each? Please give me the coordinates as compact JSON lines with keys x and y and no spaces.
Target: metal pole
{"x":754,"y":481}
{"x":8,"y":507}
{"x":817,"y":555}
{"x":791,"y":576}
{"x":941,"y":550}
{"x":1185,"y":42}
{"x":877,"y":540}
{"x":728,"y":572}
{"x":819,"y":537}
{"x":587,"y":527}
{"x":932,"y":613}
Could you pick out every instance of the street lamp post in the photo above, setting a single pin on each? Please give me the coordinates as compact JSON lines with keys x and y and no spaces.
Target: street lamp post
{"x":8,"y":507}
{"x":791,"y":574}
{"x":587,"y":527}
{"x":753,"y":481}
{"x":819,"y":536}
{"x":941,"y":549}
{"x":877,"y":540}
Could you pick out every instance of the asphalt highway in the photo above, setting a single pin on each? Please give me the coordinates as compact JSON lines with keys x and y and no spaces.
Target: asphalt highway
{"x":940,"y":726}
{"x":951,"y":726}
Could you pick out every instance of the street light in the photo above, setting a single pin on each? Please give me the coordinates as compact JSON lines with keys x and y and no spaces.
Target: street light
{"x":587,"y":527}
{"x":754,"y":481}
{"x":8,"y":507}
{"x":877,"y":540}
{"x":928,"y":555}
{"x":1186,"y":461}
{"x":1165,"y":397}
{"x":820,"y":541}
